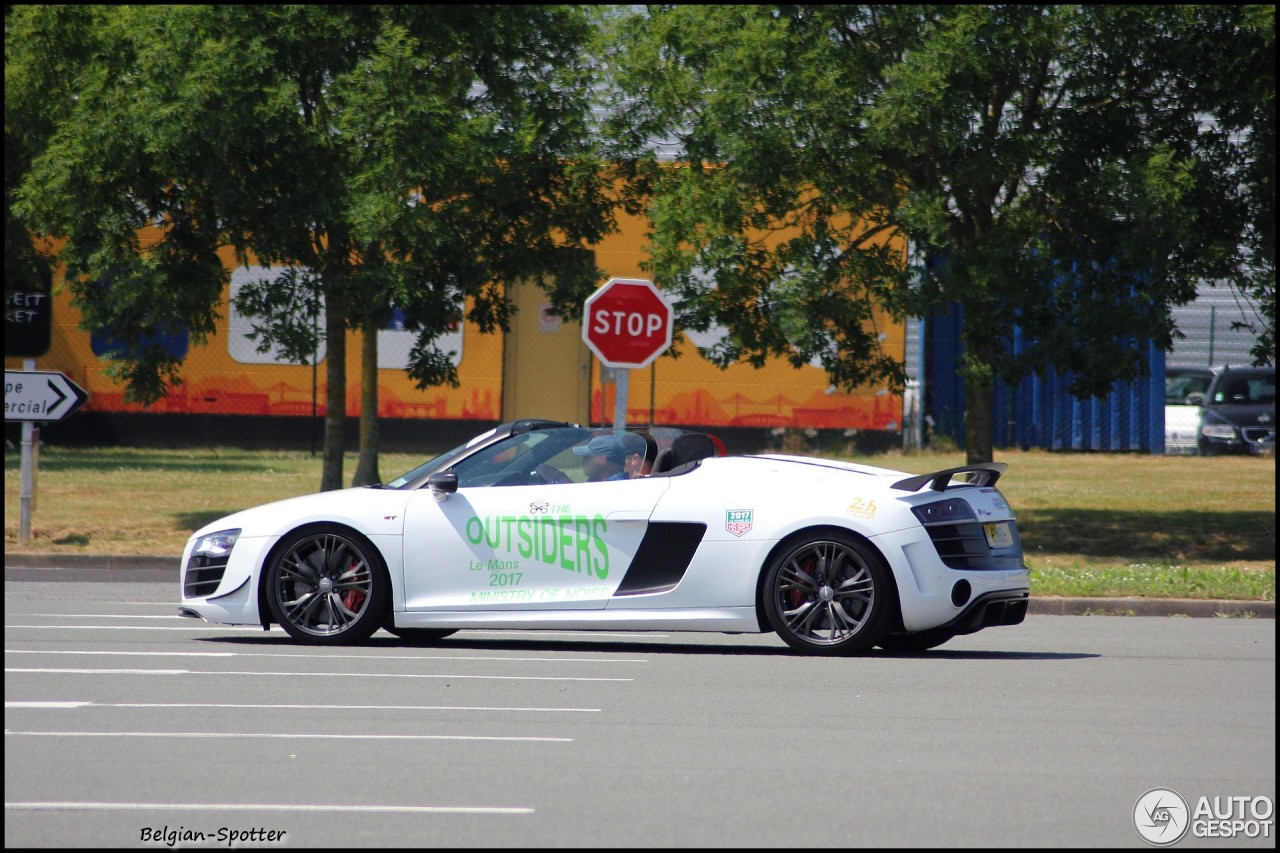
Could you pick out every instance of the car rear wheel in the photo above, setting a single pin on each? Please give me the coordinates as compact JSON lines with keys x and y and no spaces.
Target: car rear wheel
{"x":328,"y":586}
{"x":827,"y":594}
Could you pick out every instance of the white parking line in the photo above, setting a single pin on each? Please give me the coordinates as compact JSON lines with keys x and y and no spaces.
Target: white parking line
{"x":73,"y":671}
{"x":206,"y":626}
{"x":174,"y":616}
{"x":75,"y":704}
{"x":105,"y":671}
{"x":262,"y":807}
{"x":469,"y":631}
{"x":462,"y":655}
{"x":200,"y":626}
{"x":120,"y":654}
{"x":284,"y":736}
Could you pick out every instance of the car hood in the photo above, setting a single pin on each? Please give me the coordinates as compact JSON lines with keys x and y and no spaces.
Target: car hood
{"x":1245,"y":414}
{"x":341,"y":505}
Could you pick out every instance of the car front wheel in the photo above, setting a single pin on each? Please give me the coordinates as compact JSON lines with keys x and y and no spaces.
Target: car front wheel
{"x":827,"y":594}
{"x":328,"y":586}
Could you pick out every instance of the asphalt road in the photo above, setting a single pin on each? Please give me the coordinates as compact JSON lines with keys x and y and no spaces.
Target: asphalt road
{"x":126,"y":726}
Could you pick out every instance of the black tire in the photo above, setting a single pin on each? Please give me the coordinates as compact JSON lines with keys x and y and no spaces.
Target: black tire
{"x":914,"y":643}
{"x":421,"y":635}
{"x":826,"y":593}
{"x":328,"y":586}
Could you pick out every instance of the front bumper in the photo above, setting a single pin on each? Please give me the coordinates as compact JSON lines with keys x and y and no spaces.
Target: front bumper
{"x":1257,"y":441}
{"x":226,"y":594}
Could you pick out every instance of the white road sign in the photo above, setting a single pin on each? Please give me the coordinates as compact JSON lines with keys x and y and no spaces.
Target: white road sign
{"x":40,"y":395}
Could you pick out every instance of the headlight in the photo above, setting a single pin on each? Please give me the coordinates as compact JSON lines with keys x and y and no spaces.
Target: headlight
{"x":1223,"y":431}
{"x":208,"y":563}
{"x":216,"y":545}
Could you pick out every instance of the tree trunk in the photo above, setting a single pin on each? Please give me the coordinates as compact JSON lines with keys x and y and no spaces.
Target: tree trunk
{"x":335,"y":409}
{"x":979,"y":424}
{"x":367,"y":466}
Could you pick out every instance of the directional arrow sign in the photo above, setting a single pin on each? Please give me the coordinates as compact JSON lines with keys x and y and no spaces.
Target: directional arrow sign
{"x":40,"y":395}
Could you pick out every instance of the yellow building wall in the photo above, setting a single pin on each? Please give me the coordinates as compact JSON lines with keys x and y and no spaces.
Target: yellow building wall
{"x":541,"y":368}
{"x":215,"y":382}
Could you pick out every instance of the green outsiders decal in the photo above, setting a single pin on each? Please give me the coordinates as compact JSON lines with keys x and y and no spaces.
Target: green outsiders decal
{"x":571,"y":542}
{"x":542,"y":555}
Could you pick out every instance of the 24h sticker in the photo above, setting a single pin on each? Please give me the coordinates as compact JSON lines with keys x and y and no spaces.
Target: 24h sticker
{"x":738,"y":521}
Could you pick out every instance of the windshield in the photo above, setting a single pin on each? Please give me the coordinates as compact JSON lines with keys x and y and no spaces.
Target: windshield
{"x":1178,"y":386}
{"x":437,"y":462}
{"x":555,"y":454}
{"x":524,"y":459}
{"x":1242,"y":390}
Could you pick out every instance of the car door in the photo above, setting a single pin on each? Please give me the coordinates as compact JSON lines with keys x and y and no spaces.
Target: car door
{"x":535,"y":547}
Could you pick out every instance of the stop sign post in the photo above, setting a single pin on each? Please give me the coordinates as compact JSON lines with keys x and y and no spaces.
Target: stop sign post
{"x":627,"y":324}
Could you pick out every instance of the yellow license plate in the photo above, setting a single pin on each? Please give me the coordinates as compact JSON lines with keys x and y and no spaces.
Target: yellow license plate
{"x":999,"y":535}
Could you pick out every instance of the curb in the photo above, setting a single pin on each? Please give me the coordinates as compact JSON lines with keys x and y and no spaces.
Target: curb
{"x":1130,"y":606}
{"x":1039,"y":606}
{"x":112,"y":562}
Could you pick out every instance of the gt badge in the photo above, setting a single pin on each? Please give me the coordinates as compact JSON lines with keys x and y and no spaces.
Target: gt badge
{"x":738,"y":521}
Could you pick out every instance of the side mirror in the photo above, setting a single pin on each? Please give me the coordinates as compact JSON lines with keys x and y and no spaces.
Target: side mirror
{"x":1195,"y":398}
{"x":442,"y":485}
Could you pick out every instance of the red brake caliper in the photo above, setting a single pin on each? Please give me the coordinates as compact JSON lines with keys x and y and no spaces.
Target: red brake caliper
{"x":796,"y":594}
{"x":353,"y":597}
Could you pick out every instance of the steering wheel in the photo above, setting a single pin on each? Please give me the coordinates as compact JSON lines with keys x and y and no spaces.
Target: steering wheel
{"x":547,"y":475}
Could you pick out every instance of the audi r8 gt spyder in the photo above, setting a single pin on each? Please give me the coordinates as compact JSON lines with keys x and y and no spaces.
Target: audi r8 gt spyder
{"x":519,"y":528}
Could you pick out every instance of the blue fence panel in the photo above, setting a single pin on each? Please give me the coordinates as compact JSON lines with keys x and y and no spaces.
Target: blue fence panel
{"x":1039,"y":411}
{"x":944,"y":401}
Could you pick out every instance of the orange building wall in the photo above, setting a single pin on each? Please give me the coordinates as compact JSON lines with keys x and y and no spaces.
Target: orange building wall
{"x":688,"y":390}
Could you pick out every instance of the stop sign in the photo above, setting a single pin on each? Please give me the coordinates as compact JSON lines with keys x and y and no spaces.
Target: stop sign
{"x":627,"y":323}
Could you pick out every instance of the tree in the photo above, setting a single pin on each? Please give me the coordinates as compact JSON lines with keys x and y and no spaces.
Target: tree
{"x":37,"y":94}
{"x":407,"y":157}
{"x":1240,"y":88}
{"x":1055,"y":169}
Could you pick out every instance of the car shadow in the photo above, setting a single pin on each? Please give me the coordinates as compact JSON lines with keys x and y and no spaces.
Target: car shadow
{"x":613,"y":646}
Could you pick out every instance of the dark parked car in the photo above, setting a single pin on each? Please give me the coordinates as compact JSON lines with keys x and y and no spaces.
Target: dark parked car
{"x":1239,"y":415}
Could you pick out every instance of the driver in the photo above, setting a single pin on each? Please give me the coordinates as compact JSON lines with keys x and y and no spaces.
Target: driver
{"x":605,"y":456}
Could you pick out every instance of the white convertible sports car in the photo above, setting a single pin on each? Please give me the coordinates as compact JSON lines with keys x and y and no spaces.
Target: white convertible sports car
{"x":516,"y":529}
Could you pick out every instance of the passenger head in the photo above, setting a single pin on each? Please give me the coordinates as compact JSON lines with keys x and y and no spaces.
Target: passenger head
{"x":635,"y":447}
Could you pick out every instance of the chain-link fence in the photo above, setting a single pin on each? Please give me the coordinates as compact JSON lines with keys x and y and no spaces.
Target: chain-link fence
{"x":1219,"y":329}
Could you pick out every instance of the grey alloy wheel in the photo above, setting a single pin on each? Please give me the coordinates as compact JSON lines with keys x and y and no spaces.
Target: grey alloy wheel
{"x":825,"y":593}
{"x":328,"y":586}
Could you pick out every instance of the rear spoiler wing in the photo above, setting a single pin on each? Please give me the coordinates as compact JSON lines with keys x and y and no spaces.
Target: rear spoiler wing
{"x":984,"y":474}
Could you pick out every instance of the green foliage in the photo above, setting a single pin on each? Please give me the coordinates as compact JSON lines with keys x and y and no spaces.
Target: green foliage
{"x":1072,"y":171}
{"x":405,"y":156}
{"x":288,"y":314}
